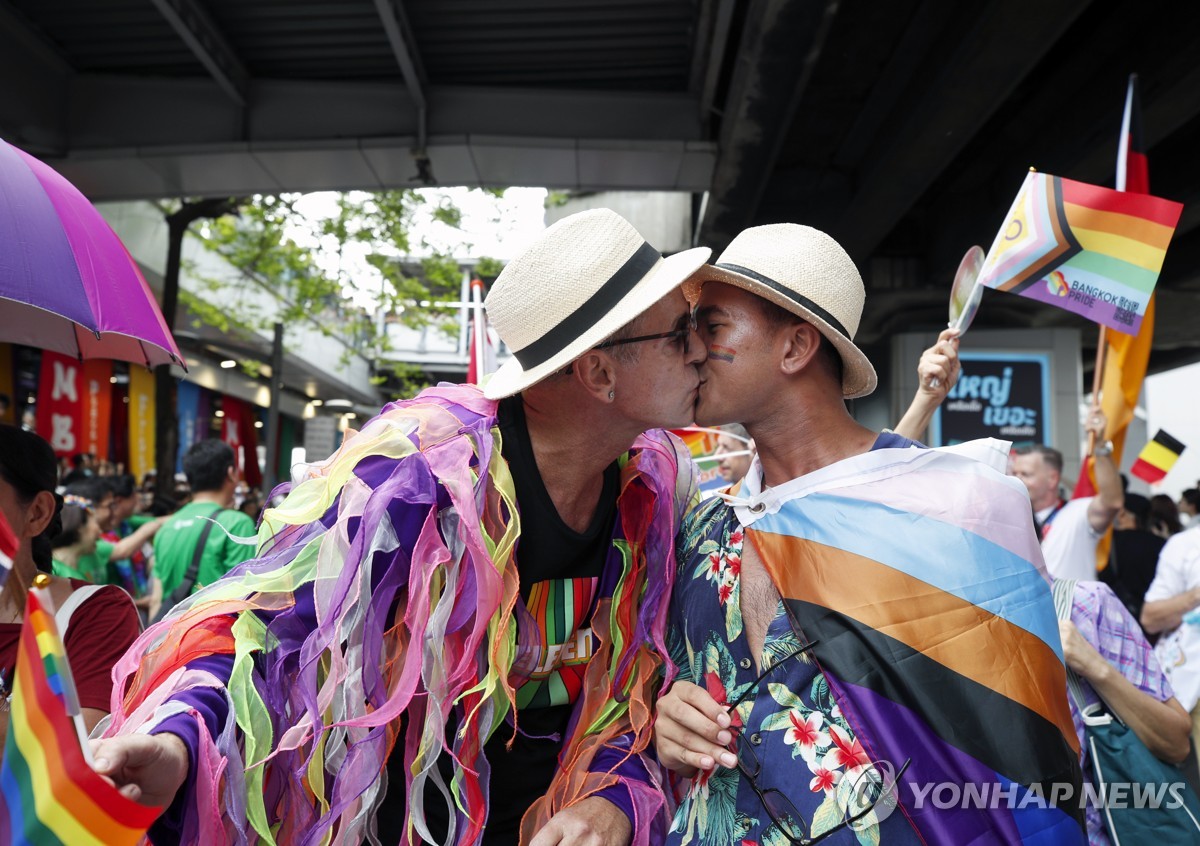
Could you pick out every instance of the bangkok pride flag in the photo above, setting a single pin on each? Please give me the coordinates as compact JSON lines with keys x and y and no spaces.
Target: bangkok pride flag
{"x":49,"y":793}
{"x":1083,"y":248}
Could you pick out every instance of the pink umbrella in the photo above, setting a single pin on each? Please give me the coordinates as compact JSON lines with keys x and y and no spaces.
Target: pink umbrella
{"x":67,"y":283}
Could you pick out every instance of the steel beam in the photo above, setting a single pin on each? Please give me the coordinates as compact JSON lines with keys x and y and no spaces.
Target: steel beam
{"x":204,"y":38}
{"x":400,"y":37}
{"x":973,"y":82}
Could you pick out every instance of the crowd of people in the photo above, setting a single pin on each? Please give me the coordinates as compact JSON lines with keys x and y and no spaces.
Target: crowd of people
{"x":502,"y":614}
{"x":110,"y":521}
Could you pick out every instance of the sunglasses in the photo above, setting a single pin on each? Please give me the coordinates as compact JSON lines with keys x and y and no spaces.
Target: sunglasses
{"x":778,"y":806}
{"x":680,"y":336}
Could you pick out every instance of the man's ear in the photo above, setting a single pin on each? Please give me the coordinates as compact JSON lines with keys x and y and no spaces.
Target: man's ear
{"x":41,"y":512}
{"x":597,"y":373}
{"x":802,"y":343}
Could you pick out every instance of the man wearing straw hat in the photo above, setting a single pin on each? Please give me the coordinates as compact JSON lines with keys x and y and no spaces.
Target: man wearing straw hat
{"x":452,"y":626}
{"x":861,"y":620}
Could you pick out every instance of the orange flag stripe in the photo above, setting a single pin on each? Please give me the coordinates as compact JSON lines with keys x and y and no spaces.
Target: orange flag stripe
{"x":1149,"y":232}
{"x":957,"y":634}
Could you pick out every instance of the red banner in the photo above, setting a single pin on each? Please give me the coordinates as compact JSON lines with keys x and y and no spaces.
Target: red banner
{"x":238,"y":432}
{"x":60,"y":403}
{"x":231,"y":428}
{"x":97,"y":406}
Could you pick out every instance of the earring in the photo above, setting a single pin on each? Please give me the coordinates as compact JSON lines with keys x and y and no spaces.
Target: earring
{"x":612,"y":395}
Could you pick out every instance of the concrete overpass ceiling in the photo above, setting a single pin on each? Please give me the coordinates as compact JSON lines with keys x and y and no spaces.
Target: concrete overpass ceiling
{"x":150,"y":98}
{"x":635,"y":45}
{"x":901,"y":127}
{"x":905,"y":129}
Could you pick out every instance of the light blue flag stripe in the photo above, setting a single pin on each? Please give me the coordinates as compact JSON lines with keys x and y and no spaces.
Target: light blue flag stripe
{"x":941,"y":554}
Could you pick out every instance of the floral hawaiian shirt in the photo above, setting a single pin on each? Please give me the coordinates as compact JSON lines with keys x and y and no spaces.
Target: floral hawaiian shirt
{"x":805,"y":746}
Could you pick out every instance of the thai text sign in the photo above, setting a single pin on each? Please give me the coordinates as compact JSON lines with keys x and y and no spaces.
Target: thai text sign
{"x":1005,"y":396}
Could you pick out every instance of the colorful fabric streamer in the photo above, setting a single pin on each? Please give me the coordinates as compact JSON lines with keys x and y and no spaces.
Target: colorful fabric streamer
{"x":49,"y":794}
{"x":386,"y":585}
{"x":918,"y":575}
{"x":1090,"y":250}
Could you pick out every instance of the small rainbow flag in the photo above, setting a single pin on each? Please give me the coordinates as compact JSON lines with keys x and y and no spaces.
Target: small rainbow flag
{"x":49,"y":793}
{"x":1157,"y":457}
{"x":1090,"y":250}
{"x":700,"y":442}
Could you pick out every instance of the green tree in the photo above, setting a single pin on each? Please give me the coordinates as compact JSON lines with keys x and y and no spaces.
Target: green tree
{"x":336,"y":272}
{"x":308,"y":264}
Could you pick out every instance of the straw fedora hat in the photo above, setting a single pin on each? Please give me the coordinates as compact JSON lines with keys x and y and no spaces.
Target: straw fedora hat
{"x":803,"y":270}
{"x":583,"y":279}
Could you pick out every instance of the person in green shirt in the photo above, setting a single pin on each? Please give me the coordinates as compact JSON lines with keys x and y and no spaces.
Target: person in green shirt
{"x":78,"y":536}
{"x":212,"y":473}
{"x":95,"y":495}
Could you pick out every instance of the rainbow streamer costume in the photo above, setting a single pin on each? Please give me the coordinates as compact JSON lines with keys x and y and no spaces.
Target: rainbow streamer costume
{"x":914,"y":626}
{"x":386,"y":585}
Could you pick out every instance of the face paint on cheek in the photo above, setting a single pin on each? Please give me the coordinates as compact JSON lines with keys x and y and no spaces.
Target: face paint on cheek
{"x":716,"y":352}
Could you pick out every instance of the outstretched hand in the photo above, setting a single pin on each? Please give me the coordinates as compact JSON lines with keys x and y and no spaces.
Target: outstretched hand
{"x":147,"y":768}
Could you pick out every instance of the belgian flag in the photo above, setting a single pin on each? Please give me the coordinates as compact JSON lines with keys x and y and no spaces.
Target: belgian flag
{"x":1157,"y":458}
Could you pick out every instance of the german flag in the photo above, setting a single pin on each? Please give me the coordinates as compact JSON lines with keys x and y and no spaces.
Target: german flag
{"x":1157,"y":458}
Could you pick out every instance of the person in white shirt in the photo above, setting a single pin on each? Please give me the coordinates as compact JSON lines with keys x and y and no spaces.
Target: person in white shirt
{"x":1070,"y":529}
{"x":1176,"y":587}
{"x":1174,"y":593}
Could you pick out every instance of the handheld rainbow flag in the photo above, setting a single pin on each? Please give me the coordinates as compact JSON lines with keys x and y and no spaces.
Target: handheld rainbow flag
{"x":702,"y":444}
{"x":1090,"y":250}
{"x":1157,"y":457}
{"x":49,"y":793}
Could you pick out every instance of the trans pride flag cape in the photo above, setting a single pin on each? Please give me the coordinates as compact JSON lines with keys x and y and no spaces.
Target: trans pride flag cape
{"x":49,"y":794}
{"x":919,"y":574}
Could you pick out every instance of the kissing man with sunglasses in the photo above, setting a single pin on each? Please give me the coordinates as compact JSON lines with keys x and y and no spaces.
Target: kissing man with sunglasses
{"x":449,"y":631}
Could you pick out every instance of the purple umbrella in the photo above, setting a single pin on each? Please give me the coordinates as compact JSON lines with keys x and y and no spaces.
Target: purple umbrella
{"x":67,"y":283}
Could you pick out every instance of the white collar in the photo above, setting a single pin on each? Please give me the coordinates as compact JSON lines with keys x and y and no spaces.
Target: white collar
{"x":753,"y":503}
